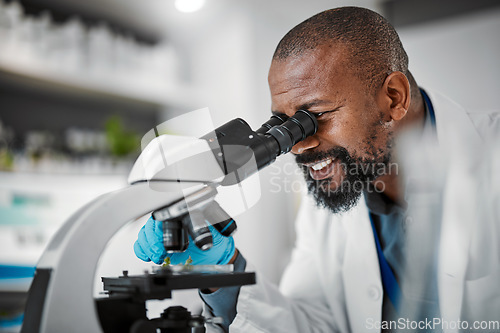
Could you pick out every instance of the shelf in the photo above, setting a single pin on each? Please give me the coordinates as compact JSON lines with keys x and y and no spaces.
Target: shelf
{"x":35,"y":75}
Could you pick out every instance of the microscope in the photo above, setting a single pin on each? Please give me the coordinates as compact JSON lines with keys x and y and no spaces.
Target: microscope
{"x":175,"y":179}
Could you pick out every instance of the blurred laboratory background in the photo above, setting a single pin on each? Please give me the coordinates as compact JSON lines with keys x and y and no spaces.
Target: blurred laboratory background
{"x":82,"y":81}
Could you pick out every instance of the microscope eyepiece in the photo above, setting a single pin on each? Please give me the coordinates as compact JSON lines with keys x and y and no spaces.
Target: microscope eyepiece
{"x":275,"y":120}
{"x":235,"y":144}
{"x":295,"y":129}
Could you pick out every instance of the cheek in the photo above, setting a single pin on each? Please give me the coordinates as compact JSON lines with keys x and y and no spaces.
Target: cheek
{"x":356,"y":129}
{"x":372,"y":134}
{"x":360,"y":140}
{"x":340,"y":132}
{"x":376,"y":144}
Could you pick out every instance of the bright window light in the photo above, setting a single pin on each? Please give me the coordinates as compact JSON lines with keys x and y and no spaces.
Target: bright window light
{"x":189,"y":6}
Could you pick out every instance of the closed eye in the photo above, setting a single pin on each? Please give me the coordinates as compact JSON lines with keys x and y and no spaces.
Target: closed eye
{"x":319,"y":114}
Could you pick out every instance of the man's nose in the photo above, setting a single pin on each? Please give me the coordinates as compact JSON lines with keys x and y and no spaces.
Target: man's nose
{"x":308,"y":143}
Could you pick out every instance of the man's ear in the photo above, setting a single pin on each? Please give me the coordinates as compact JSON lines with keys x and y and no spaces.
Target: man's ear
{"x":395,"y":94}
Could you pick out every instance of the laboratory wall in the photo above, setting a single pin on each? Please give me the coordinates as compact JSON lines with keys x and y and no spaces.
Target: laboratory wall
{"x":458,"y":56}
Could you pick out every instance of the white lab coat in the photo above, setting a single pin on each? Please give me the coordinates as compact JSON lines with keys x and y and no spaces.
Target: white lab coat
{"x":333,"y":283}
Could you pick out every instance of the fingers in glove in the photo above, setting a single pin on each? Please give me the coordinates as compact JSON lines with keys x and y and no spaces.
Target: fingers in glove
{"x":229,"y":251}
{"x":139,"y":252}
{"x":217,"y":238}
{"x":179,"y":258}
{"x":151,"y":245}
{"x":143,"y":242}
{"x":154,"y":235}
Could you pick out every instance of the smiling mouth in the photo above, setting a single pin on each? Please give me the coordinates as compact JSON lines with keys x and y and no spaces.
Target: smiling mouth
{"x":322,"y":169}
{"x":320,"y":165}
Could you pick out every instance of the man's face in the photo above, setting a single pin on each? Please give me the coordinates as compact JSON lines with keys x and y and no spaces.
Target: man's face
{"x":352,"y":146}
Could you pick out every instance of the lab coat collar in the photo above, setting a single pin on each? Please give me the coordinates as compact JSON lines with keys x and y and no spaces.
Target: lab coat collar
{"x":361,"y":273}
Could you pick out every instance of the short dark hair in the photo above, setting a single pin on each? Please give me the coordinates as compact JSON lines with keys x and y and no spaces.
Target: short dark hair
{"x":372,"y":42}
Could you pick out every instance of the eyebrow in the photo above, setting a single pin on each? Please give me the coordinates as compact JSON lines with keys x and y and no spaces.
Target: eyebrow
{"x":312,"y":103}
{"x":305,"y":106}
{"x":279,"y":114}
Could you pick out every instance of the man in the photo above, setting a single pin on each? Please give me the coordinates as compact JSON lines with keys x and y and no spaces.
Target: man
{"x":349,"y":266}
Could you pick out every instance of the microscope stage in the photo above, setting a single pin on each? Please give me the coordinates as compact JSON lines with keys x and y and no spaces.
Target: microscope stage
{"x":159,"y":284}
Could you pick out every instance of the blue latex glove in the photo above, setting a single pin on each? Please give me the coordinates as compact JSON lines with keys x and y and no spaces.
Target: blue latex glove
{"x":149,"y":247}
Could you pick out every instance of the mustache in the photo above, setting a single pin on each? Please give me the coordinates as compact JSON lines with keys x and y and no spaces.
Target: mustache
{"x":337,"y":152}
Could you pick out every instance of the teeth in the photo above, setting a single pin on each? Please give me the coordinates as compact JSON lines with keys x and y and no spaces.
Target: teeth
{"x":321,"y":165}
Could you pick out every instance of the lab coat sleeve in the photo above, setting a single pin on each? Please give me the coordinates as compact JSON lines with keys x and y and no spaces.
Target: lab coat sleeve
{"x":299,"y":305}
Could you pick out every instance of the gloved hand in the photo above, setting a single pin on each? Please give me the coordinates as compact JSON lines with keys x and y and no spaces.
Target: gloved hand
{"x":149,"y":247}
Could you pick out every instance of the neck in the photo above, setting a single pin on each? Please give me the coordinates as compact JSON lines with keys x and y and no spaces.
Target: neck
{"x":391,"y":186}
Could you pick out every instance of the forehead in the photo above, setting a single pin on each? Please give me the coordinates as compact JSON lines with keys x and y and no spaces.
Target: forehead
{"x":318,"y":74}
